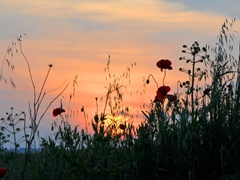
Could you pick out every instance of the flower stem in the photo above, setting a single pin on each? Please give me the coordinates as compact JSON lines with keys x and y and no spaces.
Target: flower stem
{"x":164,"y":76}
{"x":192,"y":88}
{"x":150,"y":75}
{"x":178,"y":82}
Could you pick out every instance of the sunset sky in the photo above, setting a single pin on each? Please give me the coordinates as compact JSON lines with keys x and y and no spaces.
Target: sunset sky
{"x":77,"y":37}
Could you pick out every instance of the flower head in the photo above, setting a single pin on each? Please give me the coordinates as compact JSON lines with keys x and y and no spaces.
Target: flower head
{"x":164,"y":64}
{"x":156,"y":100}
{"x":82,"y":109}
{"x":57,"y":111}
{"x":122,"y":126}
{"x":171,"y":98}
{"x":162,"y":92}
{"x":3,"y":171}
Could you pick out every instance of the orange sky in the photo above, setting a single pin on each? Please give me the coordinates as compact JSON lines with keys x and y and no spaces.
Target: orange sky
{"x":77,"y":37}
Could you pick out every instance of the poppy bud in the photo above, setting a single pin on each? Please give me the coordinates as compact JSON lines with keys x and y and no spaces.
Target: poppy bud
{"x":206,"y":91}
{"x":204,"y":49}
{"x":171,"y":98}
{"x":183,"y":51}
{"x":189,"y":71}
{"x":96,"y":118}
{"x":184,"y":46}
{"x":82,"y":109}
{"x":196,"y":50}
{"x":122,"y":126}
{"x":180,"y":69}
{"x":147,"y":81}
{"x":180,"y":58}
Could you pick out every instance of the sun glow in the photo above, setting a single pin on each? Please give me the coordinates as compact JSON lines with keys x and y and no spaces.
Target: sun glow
{"x":117,"y":124}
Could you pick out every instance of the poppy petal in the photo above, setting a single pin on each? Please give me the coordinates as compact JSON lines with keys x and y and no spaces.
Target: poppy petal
{"x":162,"y":92}
{"x":57,"y":111}
{"x":164,"y":64}
{"x":2,"y":171}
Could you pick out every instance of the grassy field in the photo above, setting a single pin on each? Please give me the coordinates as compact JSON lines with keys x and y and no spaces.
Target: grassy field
{"x":193,"y":134}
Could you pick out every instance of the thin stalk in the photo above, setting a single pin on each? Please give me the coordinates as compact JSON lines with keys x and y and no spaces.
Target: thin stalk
{"x":29,"y":143}
{"x":15,"y":139}
{"x":51,"y":104}
{"x":107,"y":97}
{"x":192,"y":88}
{"x":43,"y":85}
{"x":105,"y":106}
{"x":85,"y":122}
{"x":150,"y":75}
{"x":164,"y":76}
{"x":178,"y":82}
{"x":29,"y":70}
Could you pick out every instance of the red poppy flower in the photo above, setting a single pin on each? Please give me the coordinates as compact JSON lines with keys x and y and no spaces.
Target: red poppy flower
{"x":156,"y":99}
{"x":162,"y":92}
{"x":171,"y":98}
{"x":3,"y":171}
{"x":122,"y":126}
{"x":57,"y":111}
{"x":164,"y":64}
{"x":206,"y":91}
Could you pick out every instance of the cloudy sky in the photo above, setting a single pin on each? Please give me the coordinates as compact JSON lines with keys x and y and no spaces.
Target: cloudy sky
{"x":77,"y":37}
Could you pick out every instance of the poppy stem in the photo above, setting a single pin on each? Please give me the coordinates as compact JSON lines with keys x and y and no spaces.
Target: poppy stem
{"x":150,"y":75}
{"x":178,"y":82}
{"x":164,"y":76}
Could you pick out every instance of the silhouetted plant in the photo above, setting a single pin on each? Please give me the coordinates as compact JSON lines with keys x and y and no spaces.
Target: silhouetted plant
{"x":178,"y":139}
{"x":9,"y":123}
{"x":10,"y":127}
{"x":11,"y":51}
{"x":197,"y":57}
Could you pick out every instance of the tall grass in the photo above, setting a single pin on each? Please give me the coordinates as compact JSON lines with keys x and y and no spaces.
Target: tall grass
{"x":190,"y":135}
